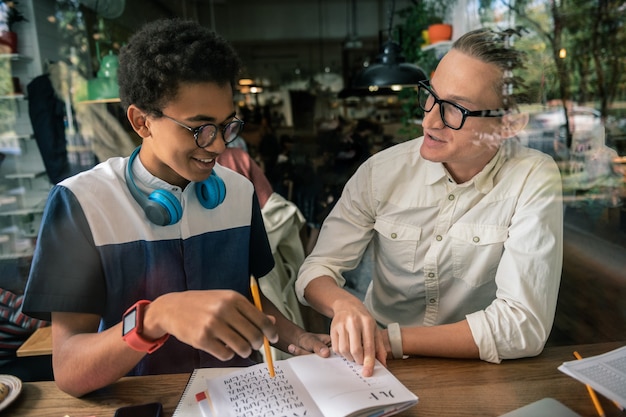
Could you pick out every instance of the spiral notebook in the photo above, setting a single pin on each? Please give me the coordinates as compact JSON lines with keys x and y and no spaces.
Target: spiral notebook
{"x":187,"y":405}
{"x":303,"y":386}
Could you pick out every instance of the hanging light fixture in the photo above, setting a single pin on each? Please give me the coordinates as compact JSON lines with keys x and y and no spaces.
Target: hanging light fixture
{"x":390,"y":69}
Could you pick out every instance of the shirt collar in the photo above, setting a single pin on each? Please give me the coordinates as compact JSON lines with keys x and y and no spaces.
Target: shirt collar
{"x":435,"y":172}
{"x":144,"y":177}
{"x":483,"y":181}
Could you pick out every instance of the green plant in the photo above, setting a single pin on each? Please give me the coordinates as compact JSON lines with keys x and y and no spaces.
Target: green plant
{"x":439,"y":10}
{"x":12,"y":15}
{"x":416,"y":19}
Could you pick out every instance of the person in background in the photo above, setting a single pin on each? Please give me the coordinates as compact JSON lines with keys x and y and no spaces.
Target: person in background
{"x":15,"y":329}
{"x":143,"y":263}
{"x":465,"y":225}
{"x":284,"y":223}
{"x":241,"y":162}
{"x":239,"y":143}
{"x":261,"y":139}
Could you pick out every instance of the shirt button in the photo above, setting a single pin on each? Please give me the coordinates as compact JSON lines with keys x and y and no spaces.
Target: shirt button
{"x":430,"y":275}
{"x":451,"y":197}
{"x":476,"y":239}
{"x":394,"y":235}
{"x":439,"y":238}
{"x":432,"y":300}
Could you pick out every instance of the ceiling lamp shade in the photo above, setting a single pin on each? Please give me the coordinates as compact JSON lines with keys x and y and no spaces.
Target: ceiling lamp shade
{"x":388,"y":70}
{"x":108,"y":9}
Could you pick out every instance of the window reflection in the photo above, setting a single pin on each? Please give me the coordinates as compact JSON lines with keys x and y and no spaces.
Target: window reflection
{"x":576,"y":88}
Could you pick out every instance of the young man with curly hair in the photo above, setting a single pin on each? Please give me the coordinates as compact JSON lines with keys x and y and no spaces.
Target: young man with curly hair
{"x":143,"y":263}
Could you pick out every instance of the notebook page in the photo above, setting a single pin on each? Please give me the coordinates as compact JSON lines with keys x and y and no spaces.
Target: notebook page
{"x":339,"y":389}
{"x":252,"y":392}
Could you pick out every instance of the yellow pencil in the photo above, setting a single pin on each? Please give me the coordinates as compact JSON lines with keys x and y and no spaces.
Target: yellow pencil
{"x":266,"y":343}
{"x":592,"y":393}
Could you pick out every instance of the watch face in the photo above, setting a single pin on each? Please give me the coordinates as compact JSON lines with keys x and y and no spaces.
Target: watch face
{"x":130,"y":322}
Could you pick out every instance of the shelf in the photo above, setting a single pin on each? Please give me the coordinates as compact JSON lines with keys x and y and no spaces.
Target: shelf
{"x":13,"y":97}
{"x":16,"y":136}
{"x":25,"y":175}
{"x":14,"y":244}
{"x":438,"y":45}
{"x":101,"y":100}
{"x":78,"y":148}
{"x":15,"y":57}
{"x":6,"y":200}
{"x":22,"y":211}
{"x":17,"y":255}
{"x":21,"y":204}
{"x":439,"y":48}
{"x":24,"y":185}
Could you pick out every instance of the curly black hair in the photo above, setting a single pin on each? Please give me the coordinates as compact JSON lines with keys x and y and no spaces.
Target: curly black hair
{"x":166,"y":53}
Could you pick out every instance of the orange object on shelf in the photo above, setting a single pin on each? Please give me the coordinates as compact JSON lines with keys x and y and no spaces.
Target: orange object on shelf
{"x":439,"y":32}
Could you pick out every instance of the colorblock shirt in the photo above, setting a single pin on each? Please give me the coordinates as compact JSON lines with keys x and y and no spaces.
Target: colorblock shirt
{"x":98,"y":253}
{"x":488,"y":250}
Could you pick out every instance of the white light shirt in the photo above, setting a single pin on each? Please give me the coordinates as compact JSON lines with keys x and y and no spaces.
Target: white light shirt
{"x":489,"y":250}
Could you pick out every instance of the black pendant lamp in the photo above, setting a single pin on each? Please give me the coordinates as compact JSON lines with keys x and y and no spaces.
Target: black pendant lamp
{"x":390,"y":69}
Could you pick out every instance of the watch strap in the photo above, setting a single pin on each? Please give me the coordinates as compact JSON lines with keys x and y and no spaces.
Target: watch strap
{"x":134,"y":338}
{"x":395,"y":340}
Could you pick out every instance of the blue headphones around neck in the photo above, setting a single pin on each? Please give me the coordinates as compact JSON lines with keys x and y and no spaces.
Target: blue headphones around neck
{"x":162,"y":207}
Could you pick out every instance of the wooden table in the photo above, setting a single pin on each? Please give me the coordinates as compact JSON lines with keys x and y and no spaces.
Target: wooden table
{"x":445,"y":387}
{"x":39,"y":343}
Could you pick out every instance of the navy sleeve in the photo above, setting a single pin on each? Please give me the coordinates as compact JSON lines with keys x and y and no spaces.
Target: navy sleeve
{"x":261,"y":258}
{"x":66,"y":273}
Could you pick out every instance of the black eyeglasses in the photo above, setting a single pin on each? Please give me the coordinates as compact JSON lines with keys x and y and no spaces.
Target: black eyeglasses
{"x":453,"y":115}
{"x":205,"y":135}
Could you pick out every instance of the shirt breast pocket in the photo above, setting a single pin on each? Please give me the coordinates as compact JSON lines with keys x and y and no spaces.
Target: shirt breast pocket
{"x":398,"y":243}
{"x":476,"y":252}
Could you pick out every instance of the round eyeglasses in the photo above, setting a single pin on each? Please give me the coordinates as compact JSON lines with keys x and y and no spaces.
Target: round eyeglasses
{"x":205,"y":134}
{"x":453,"y":115}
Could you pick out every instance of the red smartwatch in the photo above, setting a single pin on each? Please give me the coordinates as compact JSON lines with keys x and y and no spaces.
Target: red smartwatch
{"x":132,"y":328}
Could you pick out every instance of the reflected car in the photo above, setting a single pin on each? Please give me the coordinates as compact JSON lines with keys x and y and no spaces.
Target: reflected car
{"x":546,"y":130}
{"x":580,"y":118}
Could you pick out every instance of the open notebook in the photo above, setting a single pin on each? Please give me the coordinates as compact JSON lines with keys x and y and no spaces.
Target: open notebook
{"x":303,"y":386}
{"x":605,"y":373}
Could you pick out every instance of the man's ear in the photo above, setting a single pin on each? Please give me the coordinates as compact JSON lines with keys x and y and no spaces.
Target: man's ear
{"x":138,"y":120}
{"x":513,"y":123}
